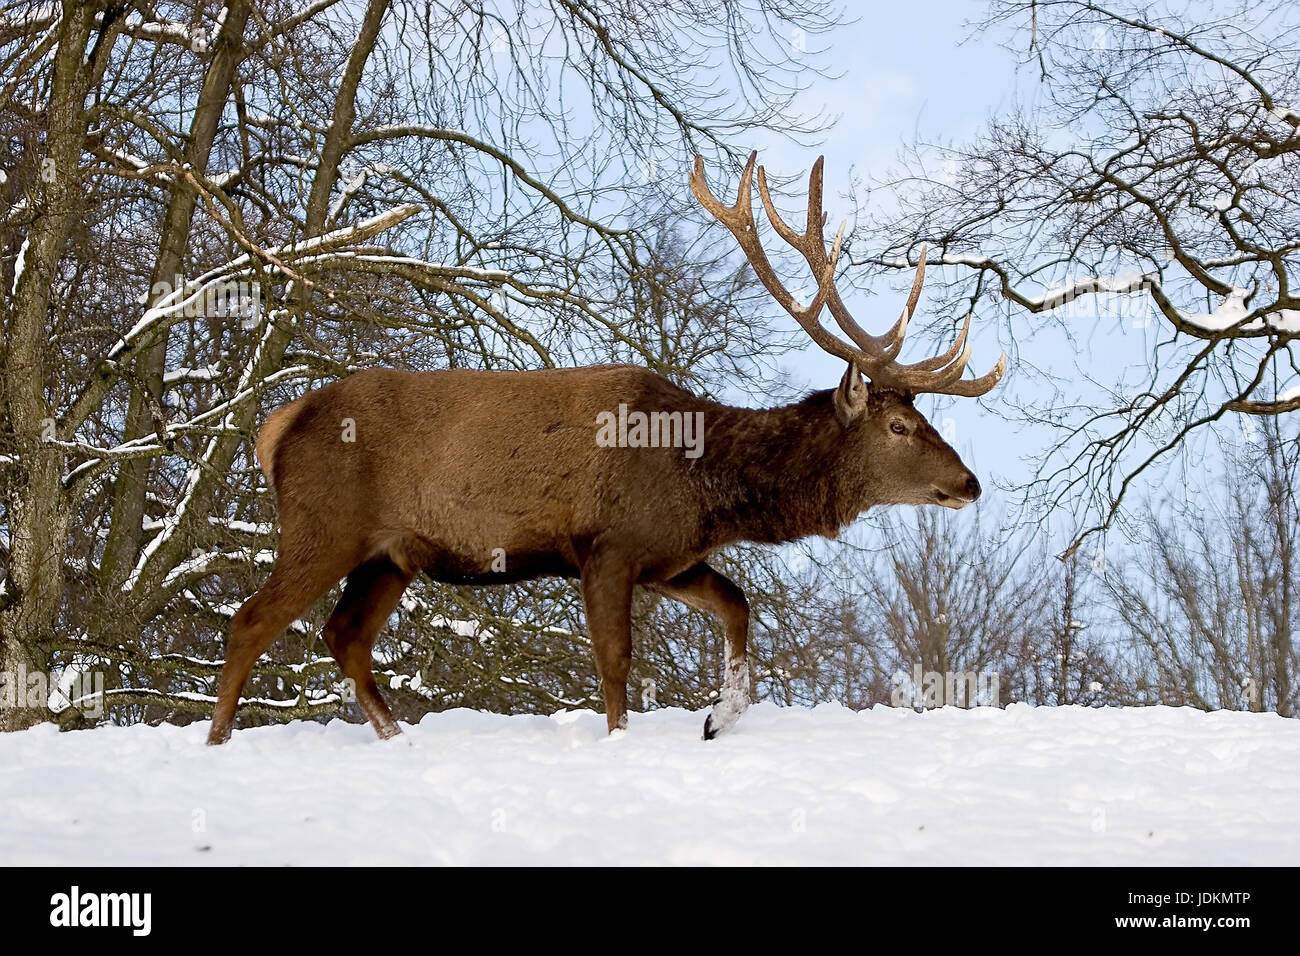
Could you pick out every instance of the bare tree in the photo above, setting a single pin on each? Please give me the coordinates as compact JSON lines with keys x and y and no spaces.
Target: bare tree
{"x":1208,"y":604}
{"x":941,"y":597}
{"x":953,"y":611}
{"x":1071,"y":656}
{"x":1160,"y":162}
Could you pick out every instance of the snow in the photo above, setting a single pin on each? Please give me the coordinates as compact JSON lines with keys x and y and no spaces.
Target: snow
{"x":231,"y":524}
{"x":176,"y":301}
{"x":957,"y":259}
{"x":19,"y":264}
{"x":166,"y":30}
{"x":1024,"y":785}
{"x":1232,"y":311}
{"x":1126,"y":282}
{"x":204,"y":373}
{"x":1285,"y":114}
{"x":197,"y":565}
{"x":246,"y":527}
{"x":36,"y":15}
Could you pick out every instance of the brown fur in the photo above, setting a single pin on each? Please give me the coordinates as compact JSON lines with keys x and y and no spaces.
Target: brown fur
{"x":452,"y":469}
{"x":268,"y":440}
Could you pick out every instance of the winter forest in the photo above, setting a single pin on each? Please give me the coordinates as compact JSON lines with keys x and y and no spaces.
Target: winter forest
{"x":209,"y":207}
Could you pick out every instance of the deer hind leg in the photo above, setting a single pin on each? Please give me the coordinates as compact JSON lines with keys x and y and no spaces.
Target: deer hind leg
{"x":607,"y":593}
{"x":704,"y":588}
{"x":289,"y":591}
{"x":369,"y":597}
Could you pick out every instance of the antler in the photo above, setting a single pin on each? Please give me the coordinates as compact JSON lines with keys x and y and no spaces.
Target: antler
{"x":874,"y":355}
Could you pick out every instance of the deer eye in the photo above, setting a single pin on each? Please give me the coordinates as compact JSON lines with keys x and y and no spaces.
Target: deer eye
{"x":898,"y":428}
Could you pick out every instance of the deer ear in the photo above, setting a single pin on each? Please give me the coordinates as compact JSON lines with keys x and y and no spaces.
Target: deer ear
{"x":850,"y":397}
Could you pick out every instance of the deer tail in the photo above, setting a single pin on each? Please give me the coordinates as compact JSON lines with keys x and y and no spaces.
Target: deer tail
{"x":269,"y":436}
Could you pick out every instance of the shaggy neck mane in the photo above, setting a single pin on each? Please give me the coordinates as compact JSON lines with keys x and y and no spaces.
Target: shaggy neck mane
{"x":775,"y":474}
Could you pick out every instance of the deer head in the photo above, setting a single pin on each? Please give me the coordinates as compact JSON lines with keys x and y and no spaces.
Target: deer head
{"x":896,"y":456}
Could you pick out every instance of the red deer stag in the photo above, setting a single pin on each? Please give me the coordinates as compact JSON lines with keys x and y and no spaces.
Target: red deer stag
{"x":490,"y":477}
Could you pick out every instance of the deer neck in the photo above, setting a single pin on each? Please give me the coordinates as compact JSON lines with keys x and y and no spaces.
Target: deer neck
{"x":781,"y":474}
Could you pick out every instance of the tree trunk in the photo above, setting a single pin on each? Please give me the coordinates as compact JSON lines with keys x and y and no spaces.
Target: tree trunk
{"x":39,"y":508}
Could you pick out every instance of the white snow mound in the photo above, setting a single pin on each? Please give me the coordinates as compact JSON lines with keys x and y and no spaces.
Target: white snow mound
{"x":827,"y":785}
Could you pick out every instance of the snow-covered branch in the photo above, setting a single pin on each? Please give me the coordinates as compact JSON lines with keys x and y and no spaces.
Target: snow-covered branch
{"x":212,"y":423}
{"x":172,"y":305}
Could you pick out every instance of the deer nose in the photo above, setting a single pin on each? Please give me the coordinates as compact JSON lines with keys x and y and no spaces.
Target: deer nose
{"x":972,"y":487}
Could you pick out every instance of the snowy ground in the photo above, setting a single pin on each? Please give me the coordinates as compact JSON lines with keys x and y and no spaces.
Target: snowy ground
{"x":1022,"y":785}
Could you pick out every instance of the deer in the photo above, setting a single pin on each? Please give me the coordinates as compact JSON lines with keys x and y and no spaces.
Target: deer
{"x":488,"y":477}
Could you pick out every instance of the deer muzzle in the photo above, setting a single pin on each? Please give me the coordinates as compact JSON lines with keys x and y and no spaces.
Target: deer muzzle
{"x":959,"y":498}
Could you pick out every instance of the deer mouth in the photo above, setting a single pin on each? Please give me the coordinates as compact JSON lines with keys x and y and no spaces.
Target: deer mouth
{"x":950,"y":501}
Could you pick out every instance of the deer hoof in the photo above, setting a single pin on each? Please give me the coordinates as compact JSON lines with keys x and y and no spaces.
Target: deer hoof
{"x":217,"y":737}
{"x":724,"y":715}
{"x":709,"y":730}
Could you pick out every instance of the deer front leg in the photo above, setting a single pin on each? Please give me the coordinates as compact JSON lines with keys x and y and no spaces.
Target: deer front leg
{"x":607,"y":592}
{"x":704,"y":588}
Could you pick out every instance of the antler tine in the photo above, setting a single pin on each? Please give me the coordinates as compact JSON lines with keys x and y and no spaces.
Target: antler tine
{"x":928,"y":378}
{"x":941,"y":374}
{"x":935,"y":382}
{"x":741,"y":213}
{"x":739,"y":220}
{"x":891,"y":342}
{"x":811,"y":245}
{"x":947,"y":381}
{"x":915,"y":295}
{"x":944,"y":360}
{"x":975,"y":387}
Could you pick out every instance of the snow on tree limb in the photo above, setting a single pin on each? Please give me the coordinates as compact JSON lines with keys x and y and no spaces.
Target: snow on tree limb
{"x":173,"y":304}
{"x":147,"y":447}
